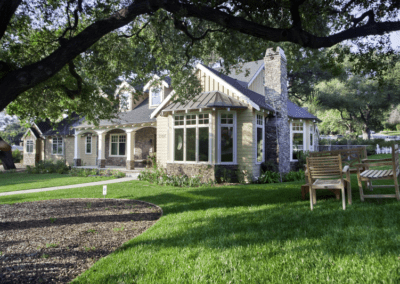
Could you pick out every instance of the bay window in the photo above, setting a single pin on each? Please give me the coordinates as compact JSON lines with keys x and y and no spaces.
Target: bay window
{"x":191,"y":138}
{"x":227,"y":138}
{"x":57,"y":146}
{"x":297,"y":139}
{"x":118,"y":144}
{"x":260,"y":137}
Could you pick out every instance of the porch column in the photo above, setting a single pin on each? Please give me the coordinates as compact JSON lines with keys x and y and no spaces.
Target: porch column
{"x":130,"y":153}
{"x":77,"y":156}
{"x":101,"y":157}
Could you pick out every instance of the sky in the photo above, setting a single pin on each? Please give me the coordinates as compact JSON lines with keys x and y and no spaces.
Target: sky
{"x":395,"y":39}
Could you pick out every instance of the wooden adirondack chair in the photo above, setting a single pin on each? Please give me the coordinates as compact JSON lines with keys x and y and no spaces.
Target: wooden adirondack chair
{"x":369,"y":175}
{"x":327,"y":173}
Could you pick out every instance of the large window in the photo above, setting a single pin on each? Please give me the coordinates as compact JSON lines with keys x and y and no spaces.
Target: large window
{"x":227,"y":138}
{"x":29,"y":146}
{"x":191,"y":138}
{"x":88,"y":145}
{"x":260,"y":138}
{"x":118,"y":144}
{"x":155,"y":96}
{"x":57,"y":146}
{"x":124,"y":102}
{"x":297,"y":139}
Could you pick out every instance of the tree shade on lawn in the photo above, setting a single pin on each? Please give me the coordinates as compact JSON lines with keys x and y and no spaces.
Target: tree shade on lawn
{"x":248,"y":234}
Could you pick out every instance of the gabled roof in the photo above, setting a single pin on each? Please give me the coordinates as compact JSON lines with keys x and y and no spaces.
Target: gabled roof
{"x":254,"y":97}
{"x":165,"y":82}
{"x":43,"y":126}
{"x":251,"y":69}
{"x":139,"y":114}
{"x":294,"y":111}
{"x":207,"y":100}
{"x":65,"y":126}
{"x":35,"y":132}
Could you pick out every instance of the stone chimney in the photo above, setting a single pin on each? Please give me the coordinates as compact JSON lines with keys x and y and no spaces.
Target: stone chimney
{"x":276,"y":95}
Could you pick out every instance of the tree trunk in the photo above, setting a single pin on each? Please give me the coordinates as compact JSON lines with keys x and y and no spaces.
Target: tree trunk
{"x":366,"y":133}
{"x":6,"y":158}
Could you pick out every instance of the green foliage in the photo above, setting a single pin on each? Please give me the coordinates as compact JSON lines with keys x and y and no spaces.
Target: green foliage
{"x":160,"y":177}
{"x":13,"y":133}
{"x":17,"y":156}
{"x":274,"y":177}
{"x":49,"y":167}
{"x":398,"y":127}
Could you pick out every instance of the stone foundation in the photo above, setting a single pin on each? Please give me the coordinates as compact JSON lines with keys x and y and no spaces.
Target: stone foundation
{"x":130,"y":165}
{"x":77,"y":162}
{"x":101,"y":163}
{"x":219,"y":173}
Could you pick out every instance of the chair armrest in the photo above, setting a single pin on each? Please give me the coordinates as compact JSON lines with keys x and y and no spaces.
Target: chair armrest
{"x":377,"y":160}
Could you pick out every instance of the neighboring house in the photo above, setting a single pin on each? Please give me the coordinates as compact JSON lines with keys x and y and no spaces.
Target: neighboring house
{"x":43,"y":142}
{"x":235,"y":124}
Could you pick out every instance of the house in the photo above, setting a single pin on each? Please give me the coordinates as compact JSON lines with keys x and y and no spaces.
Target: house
{"x":235,"y":124}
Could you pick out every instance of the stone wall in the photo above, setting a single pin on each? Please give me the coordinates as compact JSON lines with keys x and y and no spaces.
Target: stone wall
{"x":68,"y":150}
{"x":30,"y":158}
{"x":144,"y":142}
{"x":276,"y":95}
{"x":219,"y":173}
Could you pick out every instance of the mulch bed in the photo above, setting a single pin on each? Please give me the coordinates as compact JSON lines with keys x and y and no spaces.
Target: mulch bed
{"x":53,"y":241}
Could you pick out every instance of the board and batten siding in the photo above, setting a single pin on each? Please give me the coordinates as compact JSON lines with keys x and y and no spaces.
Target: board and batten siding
{"x":258,"y":84}
{"x":162,"y":141}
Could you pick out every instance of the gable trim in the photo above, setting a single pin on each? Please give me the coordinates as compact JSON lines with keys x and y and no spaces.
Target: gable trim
{"x":29,"y":130}
{"x":227,"y":85}
{"x":162,"y":105}
{"x":255,"y":75}
{"x":37,"y":128}
{"x":122,"y":85}
{"x":155,"y":77}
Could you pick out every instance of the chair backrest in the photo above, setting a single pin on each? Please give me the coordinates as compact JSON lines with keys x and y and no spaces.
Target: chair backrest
{"x":328,"y":167}
{"x":349,"y":156}
{"x":395,"y":158}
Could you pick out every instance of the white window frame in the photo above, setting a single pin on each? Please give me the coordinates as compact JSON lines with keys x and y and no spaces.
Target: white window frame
{"x":263,"y":136}
{"x":26,"y":148}
{"x":197,"y":126}
{"x":291,"y":138}
{"x":234,"y":162}
{"x":151,"y":95}
{"x":86,"y":143}
{"x":62,"y":146}
{"x":126,"y":144}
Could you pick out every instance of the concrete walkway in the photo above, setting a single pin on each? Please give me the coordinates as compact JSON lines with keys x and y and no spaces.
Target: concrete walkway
{"x":118,"y":180}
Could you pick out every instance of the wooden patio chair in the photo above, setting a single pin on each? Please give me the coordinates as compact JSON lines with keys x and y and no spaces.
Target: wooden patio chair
{"x":327,"y":173}
{"x":369,"y":174}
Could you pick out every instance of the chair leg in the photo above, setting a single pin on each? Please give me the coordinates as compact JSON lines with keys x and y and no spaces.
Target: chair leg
{"x":314,"y":196}
{"x":349,"y":197}
{"x":311,"y":198}
{"x":360,"y":186}
{"x":343,"y":198}
{"x":396,"y":186}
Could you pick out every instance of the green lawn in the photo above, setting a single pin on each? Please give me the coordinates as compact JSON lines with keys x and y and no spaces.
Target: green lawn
{"x":249,"y":234}
{"x":21,"y":181}
{"x":391,"y":133}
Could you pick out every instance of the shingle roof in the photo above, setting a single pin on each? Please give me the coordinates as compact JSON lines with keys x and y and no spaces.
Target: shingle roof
{"x":139,"y":114}
{"x":249,"y":68}
{"x":44,"y":125}
{"x":253,"y":96}
{"x":35,"y":132}
{"x":208,"y":100}
{"x":294,"y":111}
{"x":64,"y":127}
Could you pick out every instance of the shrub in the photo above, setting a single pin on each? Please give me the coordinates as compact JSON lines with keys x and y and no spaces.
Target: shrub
{"x":17,"y":155}
{"x":269,"y":177}
{"x":160,"y":177}
{"x":398,"y":127}
{"x":268,"y":166}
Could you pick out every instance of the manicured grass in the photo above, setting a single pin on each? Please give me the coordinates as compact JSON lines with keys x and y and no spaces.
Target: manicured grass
{"x":391,"y":133}
{"x":249,"y":234}
{"x":21,"y":181}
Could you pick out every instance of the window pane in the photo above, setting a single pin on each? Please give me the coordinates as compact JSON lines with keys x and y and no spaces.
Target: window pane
{"x":122,"y":148}
{"x":155,"y":96}
{"x":297,"y":144}
{"x":203,"y":118}
{"x":179,"y":120}
{"x":114,"y":138}
{"x":191,"y":144}
{"x":311,"y":139}
{"x":122,"y":138}
{"x":203,"y":144}
{"x":114,"y":148}
{"x":54,"y":148}
{"x":259,"y":144}
{"x":227,"y":144}
{"x":178,"y":145}
{"x":191,"y":119}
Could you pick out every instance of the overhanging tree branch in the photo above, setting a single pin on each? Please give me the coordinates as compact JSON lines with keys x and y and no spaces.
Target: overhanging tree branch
{"x":7,"y":10}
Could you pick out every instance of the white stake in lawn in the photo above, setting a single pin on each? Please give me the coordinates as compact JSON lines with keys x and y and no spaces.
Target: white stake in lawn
{"x":104,"y":190}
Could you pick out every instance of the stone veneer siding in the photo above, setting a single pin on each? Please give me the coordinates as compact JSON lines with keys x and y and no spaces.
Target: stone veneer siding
{"x":68,"y":150}
{"x":276,"y":95}
{"x":219,"y":173}
{"x":30,"y":159}
{"x":144,"y":142}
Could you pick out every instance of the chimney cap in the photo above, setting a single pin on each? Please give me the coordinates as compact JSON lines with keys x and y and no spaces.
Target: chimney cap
{"x":271,"y":51}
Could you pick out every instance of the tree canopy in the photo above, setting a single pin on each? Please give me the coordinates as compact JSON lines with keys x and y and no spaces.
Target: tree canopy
{"x":61,"y":56}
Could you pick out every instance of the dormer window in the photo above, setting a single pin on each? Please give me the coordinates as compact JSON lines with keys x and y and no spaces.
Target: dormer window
{"x":124,"y":102}
{"x":155,"y":96}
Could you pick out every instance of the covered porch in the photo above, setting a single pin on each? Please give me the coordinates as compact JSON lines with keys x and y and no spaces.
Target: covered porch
{"x":115,"y":147}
